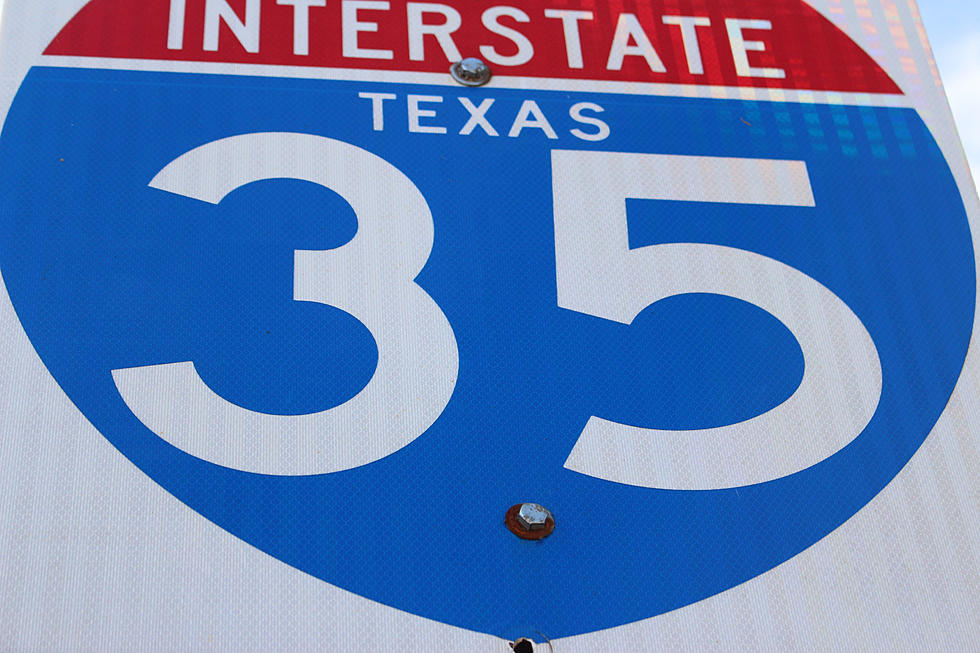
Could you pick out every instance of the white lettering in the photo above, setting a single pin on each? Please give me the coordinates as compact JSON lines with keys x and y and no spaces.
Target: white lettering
{"x":477,"y":116}
{"x":528,"y":109}
{"x":417,"y":30}
{"x":576,"y":113}
{"x":370,"y":278}
{"x":424,"y":118}
{"x":351,"y":27}
{"x":569,"y":22}
{"x":689,"y":36}
{"x":301,"y":22}
{"x":628,"y":28}
{"x":491,"y":20}
{"x":741,"y":48}
{"x":377,"y":107}
{"x":246,"y":32}
{"x":175,"y":28}
{"x":414,"y":113}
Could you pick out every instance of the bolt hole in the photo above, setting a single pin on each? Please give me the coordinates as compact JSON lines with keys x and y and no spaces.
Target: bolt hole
{"x":523,"y":645}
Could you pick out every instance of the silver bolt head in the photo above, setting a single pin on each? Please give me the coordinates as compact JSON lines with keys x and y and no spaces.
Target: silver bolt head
{"x":532,"y":516}
{"x":470,"y":72}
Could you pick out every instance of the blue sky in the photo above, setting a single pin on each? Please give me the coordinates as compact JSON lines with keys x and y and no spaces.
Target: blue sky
{"x":954,"y":32}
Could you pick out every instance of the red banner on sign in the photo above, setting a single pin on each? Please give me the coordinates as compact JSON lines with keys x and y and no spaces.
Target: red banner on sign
{"x":769,"y":43}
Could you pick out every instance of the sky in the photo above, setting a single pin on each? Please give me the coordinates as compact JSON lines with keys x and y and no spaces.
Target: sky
{"x":953,"y":27}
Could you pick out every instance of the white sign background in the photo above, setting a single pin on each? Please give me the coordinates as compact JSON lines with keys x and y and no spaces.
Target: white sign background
{"x":95,"y":555}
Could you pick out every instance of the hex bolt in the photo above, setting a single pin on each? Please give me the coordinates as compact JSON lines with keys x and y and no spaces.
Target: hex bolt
{"x":533,"y":516}
{"x":523,"y":645}
{"x":470,"y":72}
{"x":529,"y":521}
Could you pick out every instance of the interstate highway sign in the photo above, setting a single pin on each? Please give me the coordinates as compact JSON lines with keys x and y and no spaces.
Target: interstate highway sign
{"x":697,"y":277}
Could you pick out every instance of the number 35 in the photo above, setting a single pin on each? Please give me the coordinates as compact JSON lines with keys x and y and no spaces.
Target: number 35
{"x":372,"y":278}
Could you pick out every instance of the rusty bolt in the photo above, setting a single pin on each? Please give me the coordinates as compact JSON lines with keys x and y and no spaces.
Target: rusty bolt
{"x":523,"y":645}
{"x":529,"y":521}
{"x":533,"y":516}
